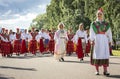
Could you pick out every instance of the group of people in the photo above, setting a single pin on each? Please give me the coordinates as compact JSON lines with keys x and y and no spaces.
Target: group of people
{"x":61,"y":42}
{"x":44,"y":41}
{"x":25,"y":42}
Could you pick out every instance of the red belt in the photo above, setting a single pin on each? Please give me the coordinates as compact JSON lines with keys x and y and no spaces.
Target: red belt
{"x":101,"y":32}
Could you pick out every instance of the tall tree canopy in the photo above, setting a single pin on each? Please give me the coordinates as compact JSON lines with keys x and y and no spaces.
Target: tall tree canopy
{"x":73,"y":12}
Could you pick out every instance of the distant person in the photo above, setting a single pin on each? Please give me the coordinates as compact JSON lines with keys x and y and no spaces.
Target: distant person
{"x":81,"y":40}
{"x":52,"y":41}
{"x":24,"y":43}
{"x":17,"y":42}
{"x":70,"y":44}
{"x":88,"y":45}
{"x":33,"y":42}
{"x":101,"y":39}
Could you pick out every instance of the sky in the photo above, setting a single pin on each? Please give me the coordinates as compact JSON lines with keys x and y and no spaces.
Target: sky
{"x":20,"y":13}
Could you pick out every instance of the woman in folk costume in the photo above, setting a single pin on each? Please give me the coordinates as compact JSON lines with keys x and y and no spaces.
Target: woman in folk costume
{"x":11,"y":39}
{"x":37,"y":39}
{"x":70,"y":44}
{"x":0,"y":45}
{"x":88,"y":45}
{"x":17,"y":42}
{"x":46,"y":41}
{"x":101,"y":38}
{"x":0,"y":41}
{"x":52,"y":41}
{"x":33,"y":42}
{"x":7,"y":48}
{"x":4,"y":44}
{"x":81,"y":40}
{"x":60,"y":42}
{"x":24,"y":44}
{"x":2,"y":37}
{"x":29,"y":39}
{"x":41,"y":41}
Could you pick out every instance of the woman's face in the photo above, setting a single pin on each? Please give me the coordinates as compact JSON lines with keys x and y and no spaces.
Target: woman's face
{"x":81,"y":27}
{"x":99,"y":15}
{"x":61,"y":26}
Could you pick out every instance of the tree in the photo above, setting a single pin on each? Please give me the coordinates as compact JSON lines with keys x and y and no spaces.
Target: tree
{"x":73,"y":12}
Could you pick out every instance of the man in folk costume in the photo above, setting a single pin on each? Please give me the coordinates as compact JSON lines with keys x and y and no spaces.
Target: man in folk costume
{"x":41,"y":41}
{"x":17,"y":42}
{"x":101,"y":39}
{"x":70,"y":44}
{"x":24,"y":44}
{"x":33,"y":42}
{"x":81,"y":40}
{"x":88,"y":45}
{"x":60,"y":42}
{"x":51,"y":42}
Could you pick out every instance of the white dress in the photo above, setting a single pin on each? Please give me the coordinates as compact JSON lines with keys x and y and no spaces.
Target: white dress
{"x":101,"y":47}
{"x":60,"y":44}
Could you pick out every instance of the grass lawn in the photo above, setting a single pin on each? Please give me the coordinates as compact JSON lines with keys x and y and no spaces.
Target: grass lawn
{"x":116,"y":52}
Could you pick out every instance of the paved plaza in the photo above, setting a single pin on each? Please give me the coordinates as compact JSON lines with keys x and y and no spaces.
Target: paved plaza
{"x":46,"y":67}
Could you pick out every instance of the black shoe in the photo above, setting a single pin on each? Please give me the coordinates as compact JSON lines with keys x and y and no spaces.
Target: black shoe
{"x":62,"y":59}
{"x":59,"y":60}
{"x":69,"y":54}
{"x":18,"y":54}
{"x":81,"y":60}
{"x":106,"y":73}
{"x":25,"y":55}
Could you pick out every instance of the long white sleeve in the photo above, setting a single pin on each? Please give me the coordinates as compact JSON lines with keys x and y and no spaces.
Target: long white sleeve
{"x":56,"y":35}
{"x":92,"y":34}
{"x":109,"y":35}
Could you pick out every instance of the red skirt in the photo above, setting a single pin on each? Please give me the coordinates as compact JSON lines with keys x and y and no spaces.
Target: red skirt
{"x":23,"y":47}
{"x":70,"y":47}
{"x":33,"y":46}
{"x":41,"y":47}
{"x":11,"y":48}
{"x":7,"y":48}
{"x":79,"y":49}
{"x":17,"y":46}
{"x":51,"y":45}
{"x":88,"y":47}
{"x":2,"y":47}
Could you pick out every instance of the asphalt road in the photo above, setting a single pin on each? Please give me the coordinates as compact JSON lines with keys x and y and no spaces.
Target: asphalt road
{"x":46,"y":67}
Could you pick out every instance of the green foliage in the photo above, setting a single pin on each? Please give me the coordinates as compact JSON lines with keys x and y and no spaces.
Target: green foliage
{"x":73,"y":12}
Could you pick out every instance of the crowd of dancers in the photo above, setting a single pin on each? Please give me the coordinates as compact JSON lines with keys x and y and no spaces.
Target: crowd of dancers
{"x":42,"y":41}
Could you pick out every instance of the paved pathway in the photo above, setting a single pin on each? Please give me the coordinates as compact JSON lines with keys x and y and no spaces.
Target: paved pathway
{"x":46,"y":67}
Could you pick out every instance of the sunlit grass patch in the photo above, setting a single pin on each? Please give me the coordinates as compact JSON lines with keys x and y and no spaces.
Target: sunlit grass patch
{"x":116,"y":52}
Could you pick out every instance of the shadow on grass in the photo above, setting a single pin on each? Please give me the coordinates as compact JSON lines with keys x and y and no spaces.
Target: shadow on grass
{"x":18,"y":68}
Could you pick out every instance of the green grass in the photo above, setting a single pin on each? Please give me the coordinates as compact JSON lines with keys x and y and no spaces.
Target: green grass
{"x":116,"y":52}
